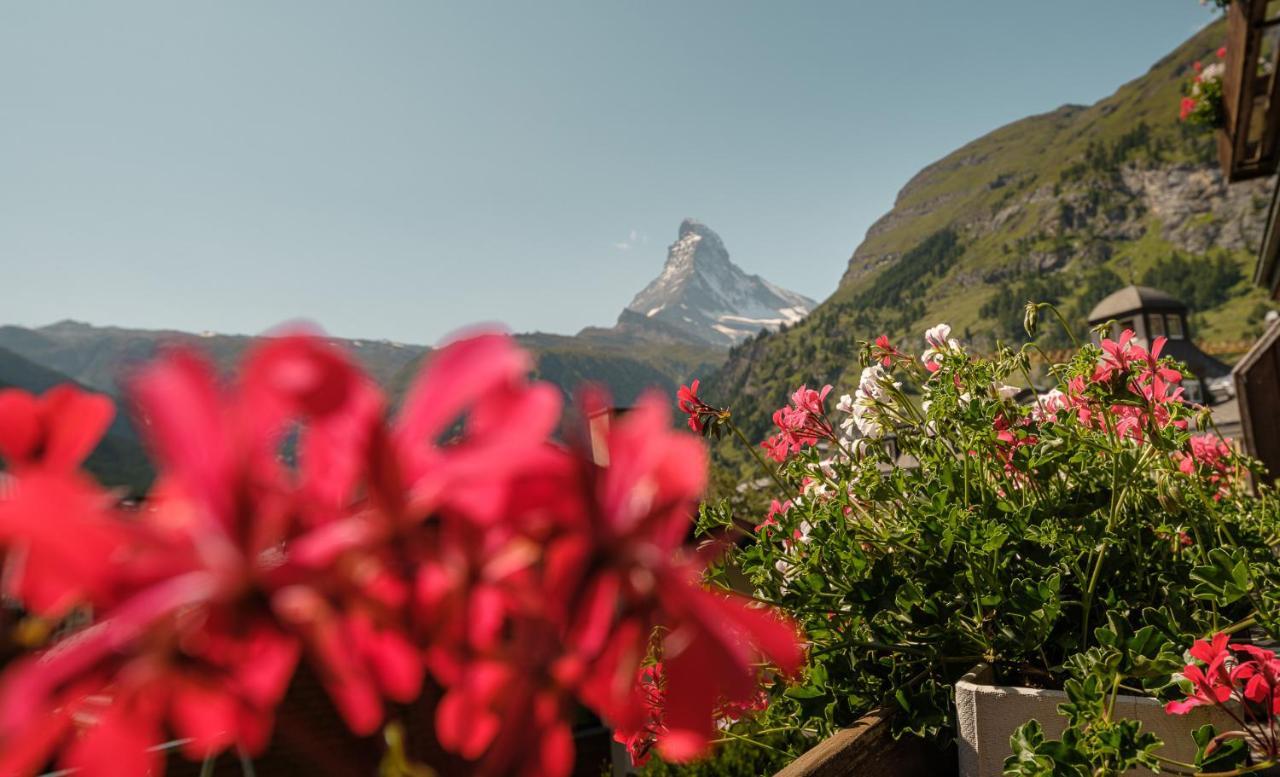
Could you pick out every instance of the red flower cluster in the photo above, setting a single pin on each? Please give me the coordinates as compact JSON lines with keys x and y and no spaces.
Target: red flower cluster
{"x":1245,"y":674}
{"x":803,"y":422}
{"x":884,"y":352}
{"x":640,"y":741}
{"x":702,"y":417}
{"x":292,"y":519}
{"x":770,"y":521}
{"x":1185,"y":108}
{"x":1213,"y":72}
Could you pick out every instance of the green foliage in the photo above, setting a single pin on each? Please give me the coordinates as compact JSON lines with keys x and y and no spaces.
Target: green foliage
{"x":1056,"y":543}
{"x":906,"y":279}
{"x":1106,"y":748}
{"x":1005,"y":309}
{"x":1220,"y":756}
{"x":1202,"y":282}
{"x":1208,"y":110}
{"x":1223,"y":579}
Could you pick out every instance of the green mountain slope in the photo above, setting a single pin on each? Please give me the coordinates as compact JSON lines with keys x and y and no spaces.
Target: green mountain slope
{"x":1064,"y":207}
{"x":625,"y":364}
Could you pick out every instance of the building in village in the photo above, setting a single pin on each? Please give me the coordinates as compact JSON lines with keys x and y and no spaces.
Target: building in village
{"x":1150,"y":313}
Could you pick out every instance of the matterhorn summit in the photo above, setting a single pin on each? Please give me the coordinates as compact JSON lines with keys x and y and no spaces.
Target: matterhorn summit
{"x":707,"y":298}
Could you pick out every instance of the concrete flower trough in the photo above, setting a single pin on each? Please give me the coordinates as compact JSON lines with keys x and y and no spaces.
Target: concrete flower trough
{"x":987,"y":714}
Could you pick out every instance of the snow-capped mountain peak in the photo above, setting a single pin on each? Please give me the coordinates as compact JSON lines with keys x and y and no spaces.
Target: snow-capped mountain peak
{"x":707,"y":298}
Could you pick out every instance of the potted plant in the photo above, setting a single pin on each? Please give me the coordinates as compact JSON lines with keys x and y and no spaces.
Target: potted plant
{"x":1202,"y":103}
{"x":945,"y":518}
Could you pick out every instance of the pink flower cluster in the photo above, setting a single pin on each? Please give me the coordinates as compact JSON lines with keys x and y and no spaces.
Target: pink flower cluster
{"x":803,"y":422}
{"x":1155,"y":387}
{"x":293,"y":519}
{"x":885,"y":353}
{"x":1212,"y":455}
{"x":1009,"y":438}
{"x":770,"y":521}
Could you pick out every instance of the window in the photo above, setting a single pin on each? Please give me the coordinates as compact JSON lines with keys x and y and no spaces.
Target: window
{"x":1174,"y":323}
{"x":1127,"y":324}
{"x":1155,"y":325}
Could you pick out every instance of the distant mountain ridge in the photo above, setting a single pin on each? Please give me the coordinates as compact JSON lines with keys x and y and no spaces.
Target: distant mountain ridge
{"x":101,"y":356}
{"x":701,"y":296}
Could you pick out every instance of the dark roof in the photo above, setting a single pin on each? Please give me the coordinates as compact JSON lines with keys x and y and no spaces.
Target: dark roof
{"x":1131,"y":299}
{"x":1201,"y":364}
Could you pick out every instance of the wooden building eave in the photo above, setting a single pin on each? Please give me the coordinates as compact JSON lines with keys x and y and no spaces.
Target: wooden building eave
{"x":1267,"y":273}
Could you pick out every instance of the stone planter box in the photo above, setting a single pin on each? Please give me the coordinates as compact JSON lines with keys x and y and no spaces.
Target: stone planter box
{"x":987,"y":714}
{"x":868,"y":749}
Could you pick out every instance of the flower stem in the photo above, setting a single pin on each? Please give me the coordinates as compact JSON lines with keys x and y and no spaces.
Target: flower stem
{"x":1240,"y":771}
{"x":751,"y":741}
{"x":1067,"y":327}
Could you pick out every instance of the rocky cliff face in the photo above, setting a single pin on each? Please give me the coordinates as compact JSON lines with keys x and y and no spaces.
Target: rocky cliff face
{"x":1197,"y":210}
{"x":706,"y":298}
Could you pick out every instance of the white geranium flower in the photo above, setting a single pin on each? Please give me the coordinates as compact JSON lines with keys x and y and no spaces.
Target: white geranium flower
{"x":802,"y":533}
{"x":937,"y":335}
{"x":1005,"y":391}
{"x":845,"y":405}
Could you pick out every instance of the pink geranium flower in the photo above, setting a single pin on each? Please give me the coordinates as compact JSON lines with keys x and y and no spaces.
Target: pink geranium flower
{"x":642,"y":502}
{"x":1211,"y":684}
{"x":1118,"y":356}
{"x":800,"y":424}
{"x":776,"y":508}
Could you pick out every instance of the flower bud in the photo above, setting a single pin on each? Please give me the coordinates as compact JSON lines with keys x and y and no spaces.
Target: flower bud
{"x":1031,"y":318}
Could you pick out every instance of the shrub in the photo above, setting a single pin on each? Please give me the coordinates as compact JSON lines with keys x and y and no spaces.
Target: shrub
{"x":1102,"y":521}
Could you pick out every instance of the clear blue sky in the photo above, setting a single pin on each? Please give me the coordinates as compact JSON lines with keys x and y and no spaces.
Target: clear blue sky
{"x":399,"y":169}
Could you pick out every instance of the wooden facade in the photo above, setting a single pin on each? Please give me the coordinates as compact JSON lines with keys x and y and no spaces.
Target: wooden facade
{"x":1249,"y":143}
{"x":1257,"y":378}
